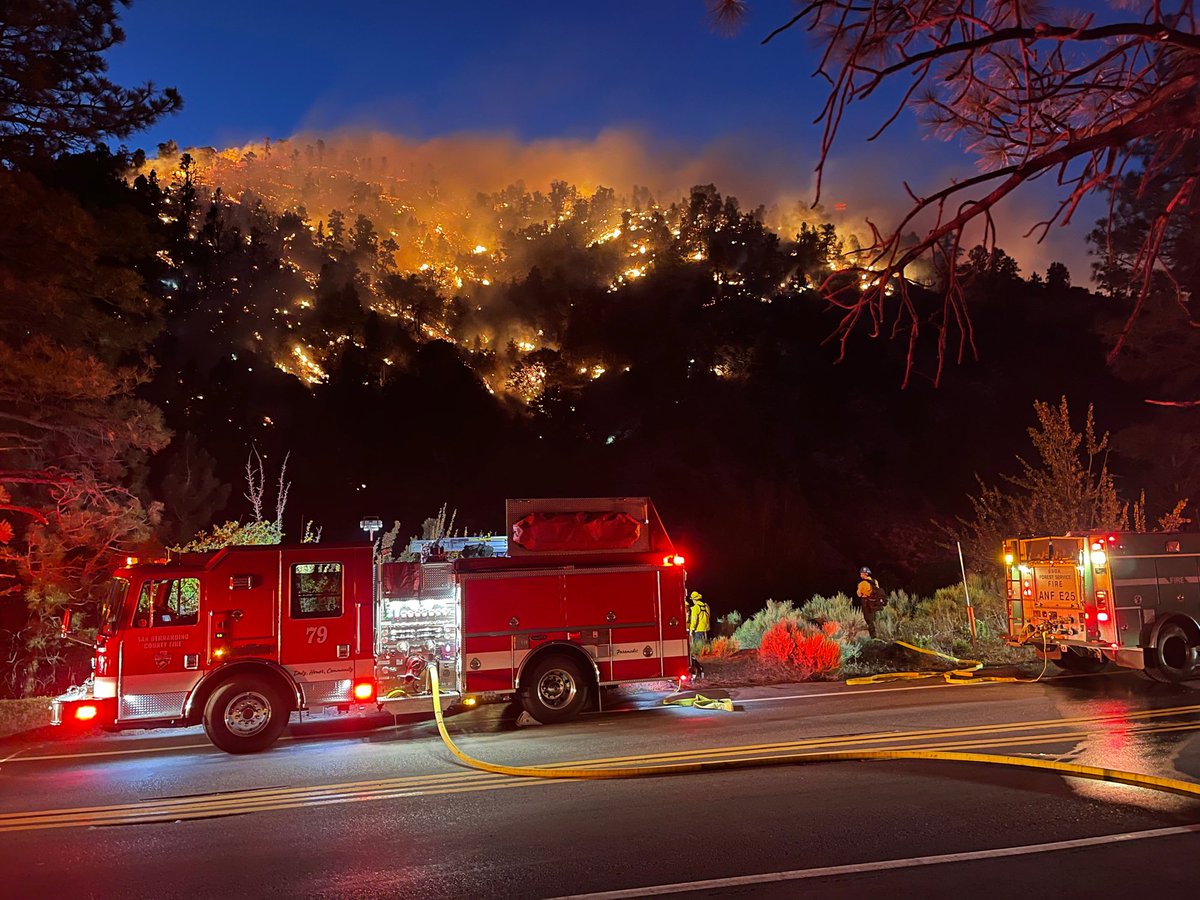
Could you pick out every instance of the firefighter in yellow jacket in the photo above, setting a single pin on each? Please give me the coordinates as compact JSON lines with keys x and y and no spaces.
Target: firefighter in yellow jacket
{"x":698,"y":616}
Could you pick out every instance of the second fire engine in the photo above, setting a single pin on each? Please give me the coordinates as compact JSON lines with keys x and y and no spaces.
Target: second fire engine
{"x":1127,"y":598}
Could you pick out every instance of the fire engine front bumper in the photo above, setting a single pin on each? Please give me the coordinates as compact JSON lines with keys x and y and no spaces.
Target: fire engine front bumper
{"x":77,"y":706}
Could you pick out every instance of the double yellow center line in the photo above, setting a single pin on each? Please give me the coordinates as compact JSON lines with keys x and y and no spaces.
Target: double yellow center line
{"x":1007,"y":734}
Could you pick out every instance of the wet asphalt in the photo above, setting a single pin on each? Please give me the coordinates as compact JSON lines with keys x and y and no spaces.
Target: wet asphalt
{"x":346,"y":808}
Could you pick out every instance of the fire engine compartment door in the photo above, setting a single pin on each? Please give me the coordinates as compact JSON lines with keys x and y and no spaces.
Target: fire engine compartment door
{"x":1057,"y":599}
{"x":505,"y":611}
{"x":162,"y":647}
{"x":325,"y":596}
{"x":625,"y":603}
{"x":1178,"y":585}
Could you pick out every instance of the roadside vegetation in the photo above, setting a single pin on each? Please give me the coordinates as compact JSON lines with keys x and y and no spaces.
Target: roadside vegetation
{"x":826,"y":637}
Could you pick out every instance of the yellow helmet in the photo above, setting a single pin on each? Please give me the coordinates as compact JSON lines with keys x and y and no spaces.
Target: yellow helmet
{"x":695,"y":595}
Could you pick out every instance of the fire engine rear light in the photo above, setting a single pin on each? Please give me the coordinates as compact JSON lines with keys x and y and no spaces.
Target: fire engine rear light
{"x":675,"y":560}
{"x":1008,"y":559}
{"x":1101,"y":617}
{"x":469,"y":701}
{"x":86,"y":712}
{"x":1099,"y":557}
{"x":364,"y":690}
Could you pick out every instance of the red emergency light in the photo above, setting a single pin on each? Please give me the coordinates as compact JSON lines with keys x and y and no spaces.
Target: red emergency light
{"x":675,"y":560}
{"x":364,"y":690}
{"x":86,"y":712}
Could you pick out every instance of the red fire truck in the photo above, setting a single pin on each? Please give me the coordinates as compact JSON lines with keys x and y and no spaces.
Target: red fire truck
{"x":590,"y":594}
{"x":1089,"y":599}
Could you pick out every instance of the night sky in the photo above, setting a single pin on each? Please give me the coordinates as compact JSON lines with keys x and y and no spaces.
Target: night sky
{"x":538,"y":70}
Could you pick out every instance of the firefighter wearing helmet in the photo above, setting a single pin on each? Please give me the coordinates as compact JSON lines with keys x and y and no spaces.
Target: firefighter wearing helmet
{"x":698,"y":616}
{"x":869,"y":598}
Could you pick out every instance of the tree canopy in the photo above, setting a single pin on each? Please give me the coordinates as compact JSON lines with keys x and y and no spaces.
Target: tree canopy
{"x":54,"y":95}
{"x":1031,"y":91}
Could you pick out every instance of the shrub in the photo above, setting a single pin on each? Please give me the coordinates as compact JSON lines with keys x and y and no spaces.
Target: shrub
{"x":827,"y":609}
{"x":750,"y":633}
{"x":902,"y":603}
{"x":813,"y":653}
{"x":940,"y":622}
{"x":728,"y":623}
{"x":839,"y":610}
{"x":851,"y":644}
{"x":887,"y":623}
{"x":720,"y":648}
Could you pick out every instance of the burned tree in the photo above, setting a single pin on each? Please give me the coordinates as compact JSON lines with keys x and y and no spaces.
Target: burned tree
{"x":1032,"y":91}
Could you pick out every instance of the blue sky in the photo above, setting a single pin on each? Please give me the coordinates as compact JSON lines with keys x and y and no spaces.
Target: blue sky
{"x":535,"y":69}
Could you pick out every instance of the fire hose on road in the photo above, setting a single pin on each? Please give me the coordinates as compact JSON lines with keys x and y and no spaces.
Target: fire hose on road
{"x":1114,"y":776}
{"x":965,"y":671}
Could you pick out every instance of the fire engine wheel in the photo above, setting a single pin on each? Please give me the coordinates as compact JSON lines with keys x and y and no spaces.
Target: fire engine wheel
{"x":1080,"y":664}
{"x":244,"y":715}
{"x":1174,"y":657}
{"x":555,"y":690}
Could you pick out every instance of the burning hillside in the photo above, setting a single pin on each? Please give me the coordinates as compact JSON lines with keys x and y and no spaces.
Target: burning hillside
{"x":445,"y":238}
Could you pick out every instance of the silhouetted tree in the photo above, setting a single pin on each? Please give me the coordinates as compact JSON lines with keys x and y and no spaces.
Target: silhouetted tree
{"x":1030,"y":91}
{"x":54,"y":95}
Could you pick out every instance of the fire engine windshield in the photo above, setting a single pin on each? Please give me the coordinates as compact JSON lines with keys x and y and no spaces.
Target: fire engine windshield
{"x":110,"y":607}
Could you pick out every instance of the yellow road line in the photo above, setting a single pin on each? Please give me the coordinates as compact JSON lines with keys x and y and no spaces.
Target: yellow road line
{"x":232,"y":797}
{"x":150,"y":818}
{"x":696,"y":753}
{"x":262,"y":800}
{"x":987,"y":728}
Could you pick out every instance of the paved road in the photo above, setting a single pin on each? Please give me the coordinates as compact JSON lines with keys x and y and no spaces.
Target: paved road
{"x":388,"y":812}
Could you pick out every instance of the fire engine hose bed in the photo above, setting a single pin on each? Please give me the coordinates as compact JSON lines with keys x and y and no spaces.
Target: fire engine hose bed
{"x":1096,"y":773}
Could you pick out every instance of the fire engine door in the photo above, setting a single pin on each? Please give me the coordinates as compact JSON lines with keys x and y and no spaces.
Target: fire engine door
{"x":163,"y":649}
{"x":323,"y":600}
{"x":621,"y":609}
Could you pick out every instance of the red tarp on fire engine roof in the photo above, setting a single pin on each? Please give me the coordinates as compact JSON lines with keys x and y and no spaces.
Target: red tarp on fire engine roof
{"x":545,"y":532}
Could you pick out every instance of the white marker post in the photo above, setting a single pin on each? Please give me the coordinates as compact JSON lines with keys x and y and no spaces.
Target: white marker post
{"x":967,"y":592}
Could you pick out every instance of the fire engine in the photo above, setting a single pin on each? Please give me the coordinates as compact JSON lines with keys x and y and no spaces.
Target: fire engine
{"x":1087,"y":600}
{"x":589,"y":594}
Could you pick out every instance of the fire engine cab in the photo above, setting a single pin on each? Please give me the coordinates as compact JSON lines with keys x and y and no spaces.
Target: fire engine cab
{"x":1089,"y":599}
{"x":589,"y":594}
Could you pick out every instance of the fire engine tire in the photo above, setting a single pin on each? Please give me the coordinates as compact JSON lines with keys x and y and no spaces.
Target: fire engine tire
{"x":245,"y":715}
{"x":555,"y":689}
{"x":1175,"y":657}
{"x":1079,"y":664}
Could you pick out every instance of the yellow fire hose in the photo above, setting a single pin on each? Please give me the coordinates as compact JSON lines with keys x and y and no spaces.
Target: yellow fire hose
{"x":963,"y":673}
{"x":1135,"y":779}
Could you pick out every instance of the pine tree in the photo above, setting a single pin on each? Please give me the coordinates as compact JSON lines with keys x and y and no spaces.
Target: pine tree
{"x":55,"y":95}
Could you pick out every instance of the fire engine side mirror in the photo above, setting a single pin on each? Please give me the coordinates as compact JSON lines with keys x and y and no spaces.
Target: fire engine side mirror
{"x":66,"y":622}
